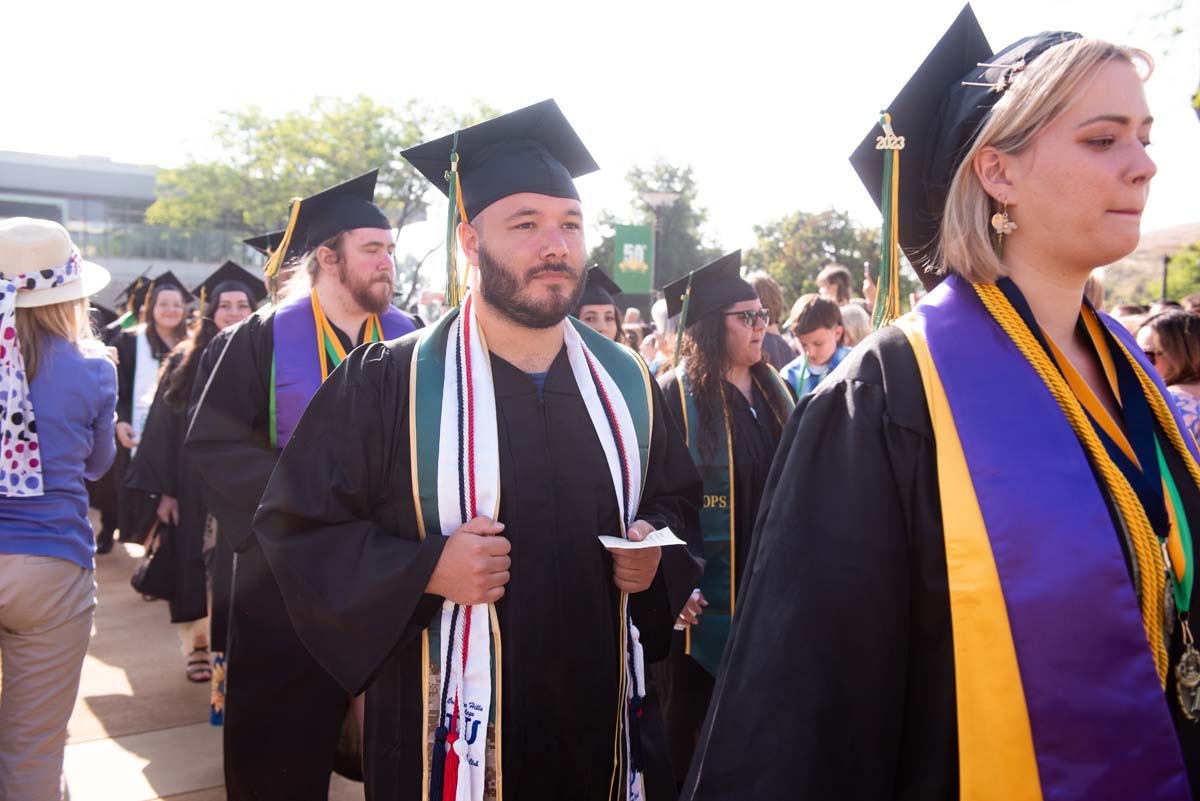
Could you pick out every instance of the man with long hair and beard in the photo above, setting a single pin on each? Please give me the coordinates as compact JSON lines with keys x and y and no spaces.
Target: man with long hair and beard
{"x":435,"y":521}
{"x":283,"y":714}
{"x":731,"y":405}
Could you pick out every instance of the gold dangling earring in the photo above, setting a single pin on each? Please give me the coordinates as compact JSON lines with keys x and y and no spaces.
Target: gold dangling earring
{"x":1002,"y":226}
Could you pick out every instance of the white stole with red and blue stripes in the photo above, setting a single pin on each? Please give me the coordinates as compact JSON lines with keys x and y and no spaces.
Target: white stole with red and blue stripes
{"x":468,"y":485}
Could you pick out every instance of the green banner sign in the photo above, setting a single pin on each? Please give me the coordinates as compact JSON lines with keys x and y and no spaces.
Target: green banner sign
{"x":633,"y":259}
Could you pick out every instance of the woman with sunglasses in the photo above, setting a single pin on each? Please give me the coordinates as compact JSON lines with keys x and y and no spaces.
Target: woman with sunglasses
{"x":732,"y":407}
{"x":1171,"y":341}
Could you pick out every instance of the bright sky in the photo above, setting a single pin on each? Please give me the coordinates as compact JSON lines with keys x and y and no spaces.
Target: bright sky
{"x":765,"y":99}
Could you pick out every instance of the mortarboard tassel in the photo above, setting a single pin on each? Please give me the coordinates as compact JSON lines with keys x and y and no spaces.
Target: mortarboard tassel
{"x":683,"y":313}
{"x":203,"y":299}
{"x":132,"y":302}
{"x":454,"y":292}
{"x":462,"y":216}
{"x":887,"y":295}
{"x":275,"y":261}
{"x":146,"y":303}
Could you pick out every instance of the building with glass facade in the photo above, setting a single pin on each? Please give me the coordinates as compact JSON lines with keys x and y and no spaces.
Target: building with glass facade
{"x":103,"y":204}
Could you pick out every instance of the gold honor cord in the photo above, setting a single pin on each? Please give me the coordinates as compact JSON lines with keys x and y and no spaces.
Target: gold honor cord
{"x":622,"y":686}
{"x":327,"y":338}
{"x":1151,"y":593}
{"x":732,"y":511}
{"x":887,"y":294}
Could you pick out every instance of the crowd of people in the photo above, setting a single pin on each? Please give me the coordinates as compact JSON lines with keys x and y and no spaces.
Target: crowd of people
{"x":540,"y":549}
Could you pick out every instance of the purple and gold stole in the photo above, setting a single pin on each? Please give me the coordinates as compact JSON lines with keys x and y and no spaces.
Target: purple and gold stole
{"x":1057,"y":690}
{"x":303,"y":357}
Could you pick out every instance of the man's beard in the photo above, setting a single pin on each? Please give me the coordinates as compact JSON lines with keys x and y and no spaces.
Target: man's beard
{"x":504,"y":291}
{"x":366,"y":291}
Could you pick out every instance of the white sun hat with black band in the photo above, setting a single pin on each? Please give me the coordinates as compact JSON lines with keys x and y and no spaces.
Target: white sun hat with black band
{"x":39,"y":266}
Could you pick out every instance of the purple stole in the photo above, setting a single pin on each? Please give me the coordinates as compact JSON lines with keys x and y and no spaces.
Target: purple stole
{"x":296,"y":368}
{"x":1100,"y":722}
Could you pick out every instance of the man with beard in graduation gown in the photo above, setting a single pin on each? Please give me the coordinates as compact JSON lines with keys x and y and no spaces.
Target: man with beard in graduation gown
{"x":945,"y":587}
{"x":731,"y":406}
{"x":283,"y":713}
{"x":350,"y":519}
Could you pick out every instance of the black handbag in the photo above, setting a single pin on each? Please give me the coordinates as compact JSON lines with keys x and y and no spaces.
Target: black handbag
{"x":153,"y":577}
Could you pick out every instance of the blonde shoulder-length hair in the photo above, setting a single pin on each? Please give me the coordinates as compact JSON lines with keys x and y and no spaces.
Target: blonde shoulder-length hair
{"x":37,"y":325}
{"x":1037,"y":97}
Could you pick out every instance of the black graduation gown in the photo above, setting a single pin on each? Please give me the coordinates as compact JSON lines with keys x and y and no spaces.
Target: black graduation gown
{"x":685,"y":687}
{"x":283,"y":712}
{"x":220,"y":559}
{"x":339,"y":528}
{"x":103,"y":492}
{"x":160,"y":468}
{"x":838,"y":679}
{"x":136,"y":510}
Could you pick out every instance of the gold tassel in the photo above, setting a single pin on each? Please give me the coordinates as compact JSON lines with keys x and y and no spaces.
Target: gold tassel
{"x":462,"y":215}
{"x":131,"y":304}
{"x":271,"y":268}
{"x":146,"y":303}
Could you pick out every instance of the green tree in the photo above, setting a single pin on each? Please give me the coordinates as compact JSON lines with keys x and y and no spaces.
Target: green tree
{"x":680,"y":246}
{"x":267,"y":160}
{"x":794,"y":248}
{"x":1183,"y":272}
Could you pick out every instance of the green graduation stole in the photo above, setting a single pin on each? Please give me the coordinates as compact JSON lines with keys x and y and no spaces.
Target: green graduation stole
{"x":433,"y":362}
{"x":705,"y":641}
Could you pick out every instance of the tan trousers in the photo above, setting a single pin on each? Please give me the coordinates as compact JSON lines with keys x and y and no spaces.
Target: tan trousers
{"x":46,"y":607}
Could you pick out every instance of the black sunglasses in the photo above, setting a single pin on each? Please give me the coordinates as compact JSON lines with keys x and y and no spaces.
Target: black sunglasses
{"x":749,"y":318}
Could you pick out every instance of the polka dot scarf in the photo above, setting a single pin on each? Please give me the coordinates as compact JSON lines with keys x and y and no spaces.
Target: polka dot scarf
{"x":21,"y":465}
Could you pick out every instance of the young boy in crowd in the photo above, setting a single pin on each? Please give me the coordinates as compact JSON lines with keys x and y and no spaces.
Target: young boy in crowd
{"x":816,"y":325}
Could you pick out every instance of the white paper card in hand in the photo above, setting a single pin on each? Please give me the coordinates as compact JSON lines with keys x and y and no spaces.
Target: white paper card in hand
{"x":655,"y":539}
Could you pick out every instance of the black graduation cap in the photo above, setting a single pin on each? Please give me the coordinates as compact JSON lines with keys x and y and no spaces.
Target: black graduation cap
{"x":599,"y":290}
{"x":266,"y":244}
{"x":233,"y":274}
{"x":102,"y":316}
{"x":533,"y":150}
{"x":133,"y":296}
{"x":314,"y":219}
{"x":712,"y":287}
{"x":169,"y":278}
{"x":939,"y":112}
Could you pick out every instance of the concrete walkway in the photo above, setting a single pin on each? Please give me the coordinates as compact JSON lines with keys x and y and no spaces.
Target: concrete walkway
{"x":140,"y":729}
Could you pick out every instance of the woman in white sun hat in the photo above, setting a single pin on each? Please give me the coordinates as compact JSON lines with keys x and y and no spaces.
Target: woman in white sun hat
{"x":57,"y":409}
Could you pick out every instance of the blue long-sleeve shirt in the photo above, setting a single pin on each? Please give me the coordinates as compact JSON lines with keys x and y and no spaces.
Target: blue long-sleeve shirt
{"x":74,"y":399}
{"x":805,"y":377}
